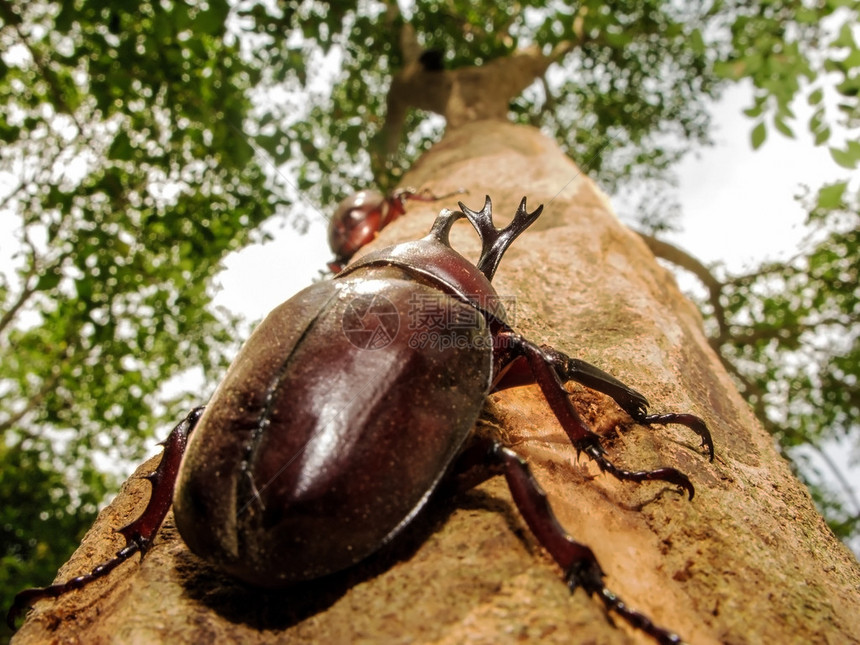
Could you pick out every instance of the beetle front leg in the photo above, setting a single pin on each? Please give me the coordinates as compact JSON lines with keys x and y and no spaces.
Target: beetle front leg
{"x":545,"y":374}
{"x":631,"y":401}
{"x":577,"y":560}
{"x":628,"y":399}
{"x":425,"y":194}
{"x":140,"y":534}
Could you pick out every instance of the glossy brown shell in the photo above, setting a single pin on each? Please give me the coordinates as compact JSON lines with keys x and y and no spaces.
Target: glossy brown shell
{"x":315,"y":451}
{"x":356,"y":222}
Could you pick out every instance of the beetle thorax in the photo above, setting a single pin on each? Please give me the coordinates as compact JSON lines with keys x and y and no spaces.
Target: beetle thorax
{"x":433,"y":262}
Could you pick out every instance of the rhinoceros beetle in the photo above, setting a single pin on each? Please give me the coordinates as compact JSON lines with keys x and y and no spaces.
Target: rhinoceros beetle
{"x":336,"y":422}
{"x":360,"y":217}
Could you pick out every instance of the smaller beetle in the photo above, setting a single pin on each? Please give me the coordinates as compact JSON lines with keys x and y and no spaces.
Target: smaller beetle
{"x":335,"y":423}
{"x":360,"y":217}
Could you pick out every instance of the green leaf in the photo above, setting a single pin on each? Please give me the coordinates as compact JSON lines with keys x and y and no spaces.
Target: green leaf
{"x":84,"y":288}
{"x":758,"y":135}
{"x":815,"y":96}
{"x":49,"y":280}
{"x":830,"y":196}
{"x":849,"y":157}
{"x":734,"y":70}
{"x":121,"y":148}
{"x":782,"y":126}
{"x":9,"y":134}
{"x":212,"y":20}
{"x":697,"y":43}
{"x":754,"y":111}
{"x":845,"y":37}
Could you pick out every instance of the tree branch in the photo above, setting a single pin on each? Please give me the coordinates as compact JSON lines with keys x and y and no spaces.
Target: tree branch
{"x":28,"y":290}
{"x":847,"y":488}
{"x":462,"y":95}
{"x":681,"y":258}
{"x":739,"y":337}
{"x":7,"y":12}
{"x":33,"y":402}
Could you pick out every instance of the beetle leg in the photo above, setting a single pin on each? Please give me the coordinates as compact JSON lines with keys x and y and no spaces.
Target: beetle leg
{"x":427,"y":195}
{"x":139,"y":534}
{"x":545,"y":374}
{"x":632,"y":402}
{"x":577,"y":560}
{"x":574,"y":369}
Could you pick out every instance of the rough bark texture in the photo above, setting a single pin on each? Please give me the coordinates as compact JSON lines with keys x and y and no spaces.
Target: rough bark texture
{"x":747,"y":561}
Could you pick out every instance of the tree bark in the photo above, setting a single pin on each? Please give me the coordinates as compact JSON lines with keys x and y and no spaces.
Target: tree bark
{"x":748,"y":560}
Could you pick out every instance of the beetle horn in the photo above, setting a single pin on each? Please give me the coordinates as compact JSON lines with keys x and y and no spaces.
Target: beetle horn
{"x":495,"y":241}
{"x":442,"y":225}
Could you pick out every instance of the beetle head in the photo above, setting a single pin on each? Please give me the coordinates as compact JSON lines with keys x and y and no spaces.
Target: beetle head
{"x":494,"y":241}
{"x":433,"y":259}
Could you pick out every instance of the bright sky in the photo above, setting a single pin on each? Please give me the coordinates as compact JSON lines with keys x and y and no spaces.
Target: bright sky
{"x":738,"y":204}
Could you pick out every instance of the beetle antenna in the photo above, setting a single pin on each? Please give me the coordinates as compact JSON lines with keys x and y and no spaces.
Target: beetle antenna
{"x":495,"y":241}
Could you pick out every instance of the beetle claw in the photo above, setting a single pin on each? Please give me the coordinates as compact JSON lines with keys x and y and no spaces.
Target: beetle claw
{"x":670,"y":475}
{"x":696,"y":424}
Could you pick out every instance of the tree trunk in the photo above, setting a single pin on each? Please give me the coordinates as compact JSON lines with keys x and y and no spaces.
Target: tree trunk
{"x":748,"y":560}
